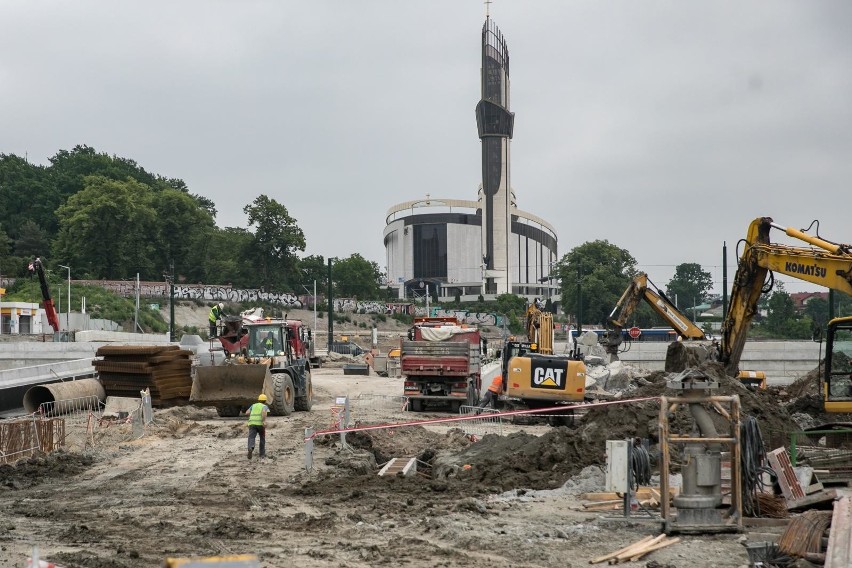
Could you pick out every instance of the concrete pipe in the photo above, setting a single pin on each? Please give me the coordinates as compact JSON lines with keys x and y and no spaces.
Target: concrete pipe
{"x":62,"y":398}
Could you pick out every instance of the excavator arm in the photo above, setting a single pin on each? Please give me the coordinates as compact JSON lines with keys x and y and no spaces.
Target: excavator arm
{"x":824,"y":262}
{"x":641,"y":288}
{"x":52,"y":318}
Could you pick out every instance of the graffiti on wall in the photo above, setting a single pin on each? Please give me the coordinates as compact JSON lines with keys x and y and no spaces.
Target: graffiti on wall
{"x":195,"y":292}
{"x":352,"y":305}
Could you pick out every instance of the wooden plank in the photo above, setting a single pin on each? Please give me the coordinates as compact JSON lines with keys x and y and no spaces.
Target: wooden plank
{"x":620,"y":551}
{"x":838,"y":553}
{"x":659,"y":545}
{"x":634,"y":550}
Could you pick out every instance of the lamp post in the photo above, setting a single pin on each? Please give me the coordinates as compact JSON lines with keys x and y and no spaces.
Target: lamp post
{"x":68,"y":308}
{"x":314,"y":298}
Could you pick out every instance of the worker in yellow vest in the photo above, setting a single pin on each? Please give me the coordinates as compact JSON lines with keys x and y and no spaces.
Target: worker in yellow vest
{"x":257,"y":425}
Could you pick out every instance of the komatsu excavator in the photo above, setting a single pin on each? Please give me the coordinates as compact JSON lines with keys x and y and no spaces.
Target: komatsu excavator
{"x":825,"y":263}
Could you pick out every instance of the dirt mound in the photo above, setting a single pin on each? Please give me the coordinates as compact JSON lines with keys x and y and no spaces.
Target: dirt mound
{"x":37,"y":469}
{"x":520,"y":460}
{"x":415,"y":441}
{"x":621,"y":421}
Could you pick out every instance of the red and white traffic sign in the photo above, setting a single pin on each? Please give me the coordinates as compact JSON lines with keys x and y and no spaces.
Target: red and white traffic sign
{"x":634,"y":332}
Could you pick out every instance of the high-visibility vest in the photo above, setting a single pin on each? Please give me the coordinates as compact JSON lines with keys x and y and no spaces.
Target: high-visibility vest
{"x":214,"y":314}
{"x":496,"y":385}
{"x":256,"y":415}
{"x":269,"y":343}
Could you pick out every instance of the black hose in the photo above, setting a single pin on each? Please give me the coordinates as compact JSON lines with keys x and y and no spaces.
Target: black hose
{"x":641,"y":466}
{"x":752,"y":459}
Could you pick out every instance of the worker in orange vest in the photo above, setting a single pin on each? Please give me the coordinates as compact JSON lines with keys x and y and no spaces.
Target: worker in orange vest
{"x":493,"y":393}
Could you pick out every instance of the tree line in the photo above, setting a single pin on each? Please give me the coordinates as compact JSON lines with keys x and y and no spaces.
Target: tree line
{"x":108,"y":218}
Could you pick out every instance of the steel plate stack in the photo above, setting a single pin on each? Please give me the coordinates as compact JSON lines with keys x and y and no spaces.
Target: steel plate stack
{"x":125,"y":370}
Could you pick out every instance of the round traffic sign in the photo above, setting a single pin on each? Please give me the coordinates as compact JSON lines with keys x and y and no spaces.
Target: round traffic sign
{"x":634,"y":332}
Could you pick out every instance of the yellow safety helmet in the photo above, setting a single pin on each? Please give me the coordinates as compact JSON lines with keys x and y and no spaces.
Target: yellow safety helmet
{"x":261,"y":398}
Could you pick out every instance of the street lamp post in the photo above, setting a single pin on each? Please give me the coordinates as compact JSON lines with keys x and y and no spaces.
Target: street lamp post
{"x":68,"y":308}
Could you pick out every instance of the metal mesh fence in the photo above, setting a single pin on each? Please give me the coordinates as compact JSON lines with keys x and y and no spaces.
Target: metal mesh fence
{"x":485,"y":422}
{"x":22,"y":437}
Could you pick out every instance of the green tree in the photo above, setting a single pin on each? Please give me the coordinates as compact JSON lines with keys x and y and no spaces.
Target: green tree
{"x":603,"y":271}
{"x":277,"y":237}
{"x":223,"y":256}
{"x":356,"y":277}
{"x":817,"y":309}
{"x":105,"y":229}
{"x":181,"y":229}
{"x":313,"y":268}
{"x":32,"y":240}
{"x":781,"y":311}
{"x":689,"y":286}
{"x":26,"y":193}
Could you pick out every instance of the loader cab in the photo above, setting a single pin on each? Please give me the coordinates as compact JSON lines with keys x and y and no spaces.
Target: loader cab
{"x":266,"y":340}
{"x":837,"y":378}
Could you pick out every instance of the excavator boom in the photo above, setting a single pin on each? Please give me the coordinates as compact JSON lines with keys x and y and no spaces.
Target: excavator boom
{"x":47,"y":303}
{"x":641,"y":288}
{"x":827,"y":264}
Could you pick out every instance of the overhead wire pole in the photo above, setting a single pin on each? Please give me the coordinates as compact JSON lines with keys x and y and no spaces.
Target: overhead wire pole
{"x":68,"y":307}
{"x":330,"y":309}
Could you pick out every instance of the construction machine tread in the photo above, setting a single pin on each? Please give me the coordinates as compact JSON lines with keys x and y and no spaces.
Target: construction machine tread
{"x":283,"y":394}
{"x":304,"y":403}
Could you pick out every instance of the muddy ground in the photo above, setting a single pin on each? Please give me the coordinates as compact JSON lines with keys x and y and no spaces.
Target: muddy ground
{"x":186,"y":488}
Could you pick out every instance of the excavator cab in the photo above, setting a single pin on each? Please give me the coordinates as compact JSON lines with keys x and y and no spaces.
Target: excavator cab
{"x":837,"y":377}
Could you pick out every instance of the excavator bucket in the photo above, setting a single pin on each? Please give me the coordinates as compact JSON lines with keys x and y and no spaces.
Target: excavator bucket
{"x":230,"y":387}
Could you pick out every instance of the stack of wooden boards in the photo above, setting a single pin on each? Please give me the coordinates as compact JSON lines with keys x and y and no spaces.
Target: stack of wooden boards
{"x":637,"y":550}
{"x":647,"y":497}
{"x":124,"y":370}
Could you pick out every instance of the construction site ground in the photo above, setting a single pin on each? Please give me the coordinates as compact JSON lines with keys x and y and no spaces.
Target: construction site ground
{"x":186,"y":488}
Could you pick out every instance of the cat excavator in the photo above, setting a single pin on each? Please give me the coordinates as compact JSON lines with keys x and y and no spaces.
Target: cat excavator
{"x":533,"y":377}
{"x":823,"y":262}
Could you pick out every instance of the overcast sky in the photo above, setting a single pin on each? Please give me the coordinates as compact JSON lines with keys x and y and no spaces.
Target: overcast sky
{"x":662,"y":127}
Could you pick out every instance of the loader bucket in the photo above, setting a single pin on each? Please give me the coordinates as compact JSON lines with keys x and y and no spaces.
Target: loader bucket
{"x":230,"y":387}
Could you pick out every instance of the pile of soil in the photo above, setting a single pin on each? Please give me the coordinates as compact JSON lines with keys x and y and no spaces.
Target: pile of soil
{"x":521,"y":460}
{"x":622,"y":421}
{"x":35,"y":470}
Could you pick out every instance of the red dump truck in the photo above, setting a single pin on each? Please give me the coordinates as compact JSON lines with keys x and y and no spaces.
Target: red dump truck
{"x":440,"y":362}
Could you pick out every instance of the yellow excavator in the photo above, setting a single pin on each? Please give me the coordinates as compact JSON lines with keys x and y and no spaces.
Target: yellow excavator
{"x":533,"y":377}
{"x":641,"y":288}
{"x":825,"y":263}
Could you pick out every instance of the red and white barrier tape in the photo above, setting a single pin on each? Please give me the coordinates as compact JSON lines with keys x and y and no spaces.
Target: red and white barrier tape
{"x":477,"y":417}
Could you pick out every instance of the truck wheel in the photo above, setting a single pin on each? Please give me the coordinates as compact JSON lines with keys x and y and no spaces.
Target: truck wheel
{"x":283,"y":394}
{"x":415,"y":405}
{"x":303,"y":403}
